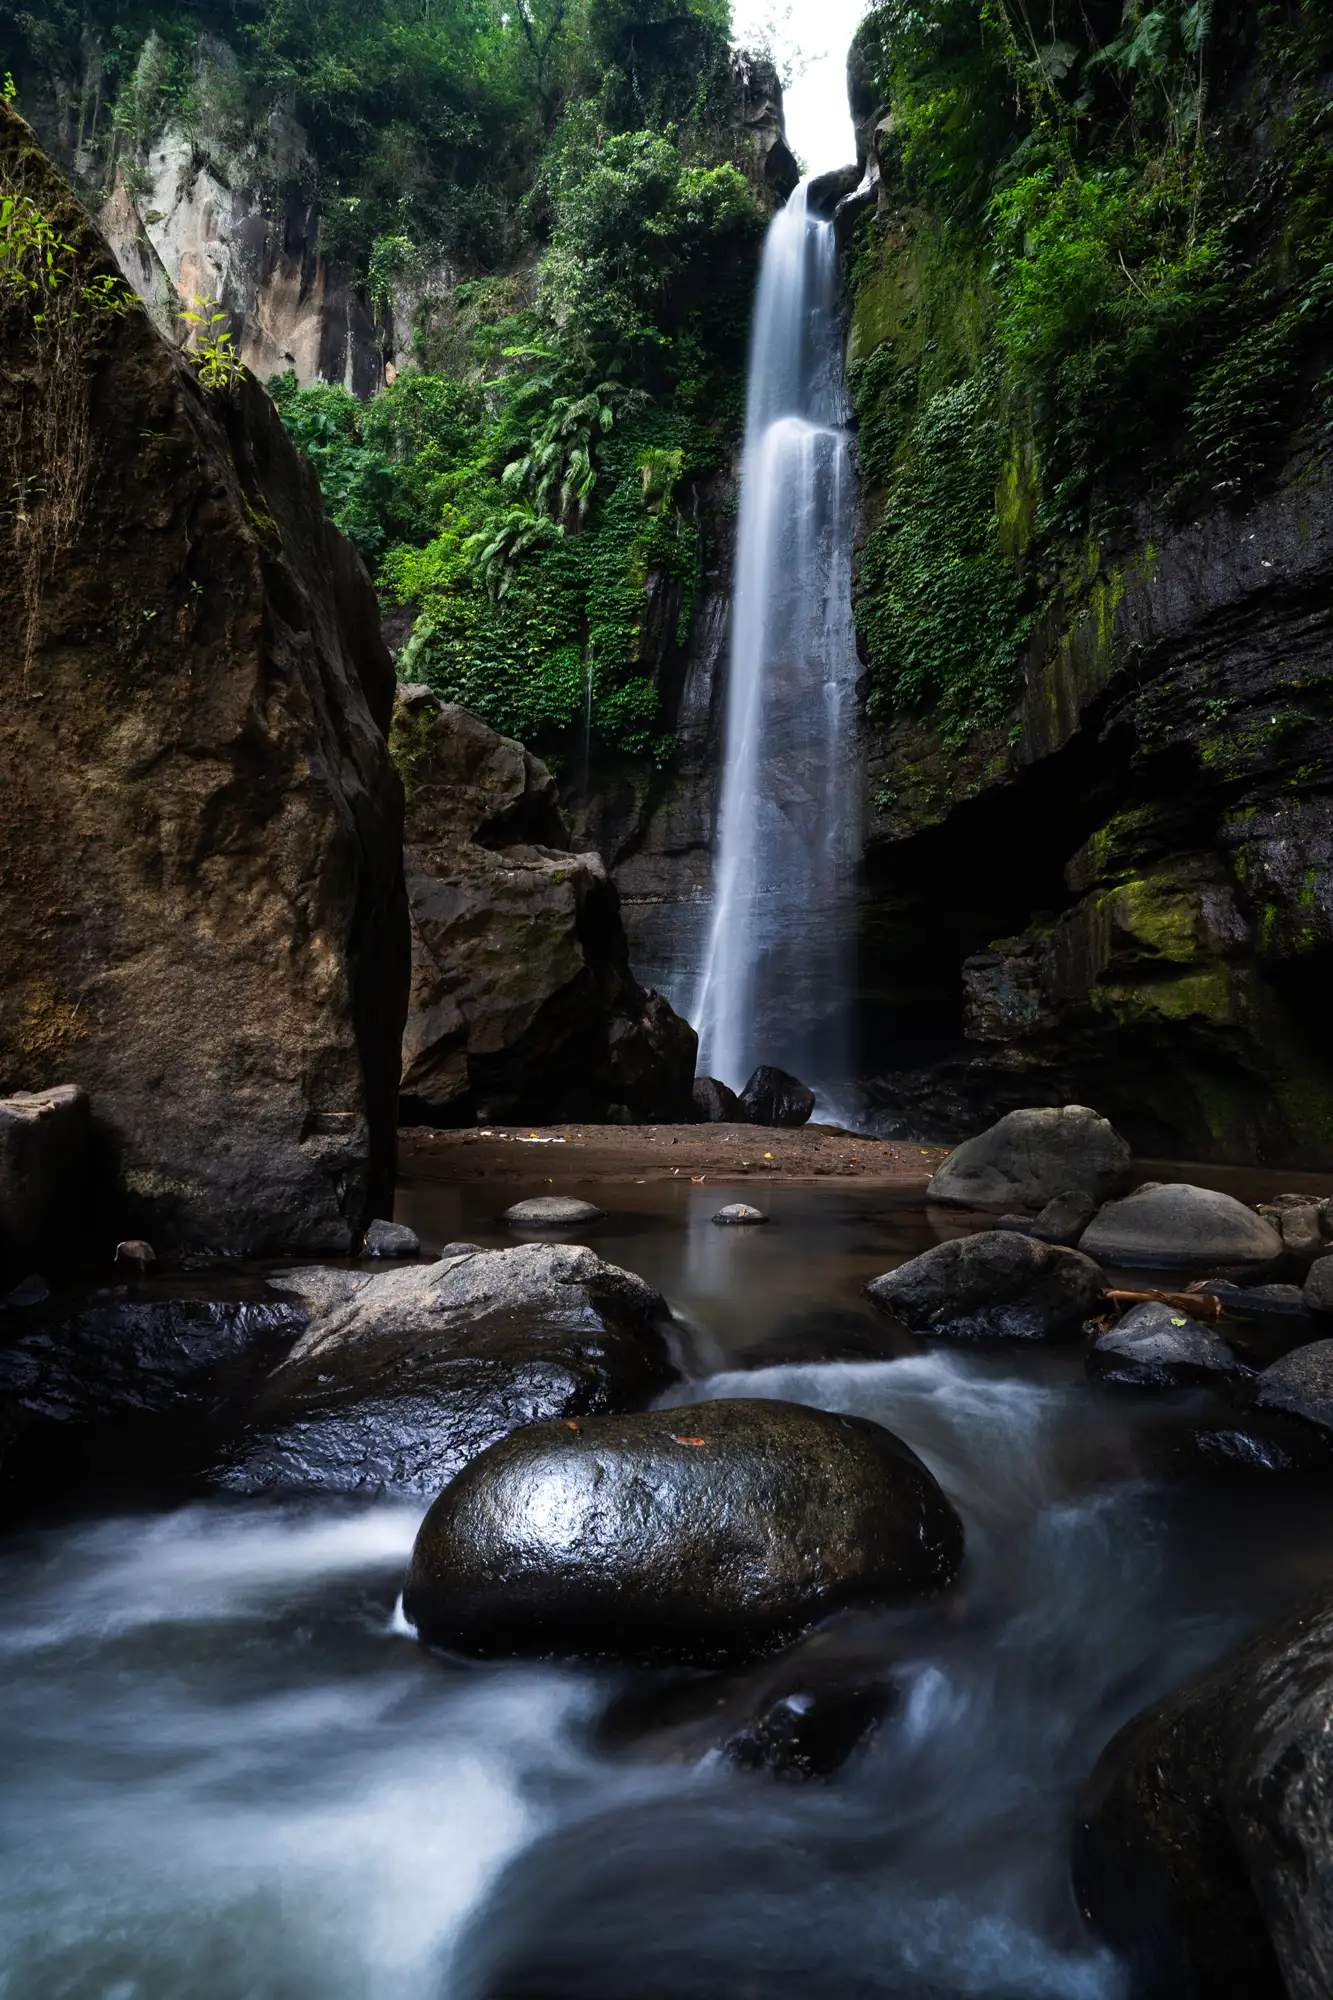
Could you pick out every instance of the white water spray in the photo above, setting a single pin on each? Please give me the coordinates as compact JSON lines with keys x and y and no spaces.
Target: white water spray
{"x":777,"y":970}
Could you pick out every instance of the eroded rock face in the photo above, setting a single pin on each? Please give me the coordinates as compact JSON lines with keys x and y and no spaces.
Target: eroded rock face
{"x":709,"y":1534}
{"x":1173,"y":1224}
{"x":208,"y":931}
{"x":996,"y":1285}
{"x":1030,"y":1157}
{"x":1203,"y":1848}
{"x":404,"y":1376}
{"x":523,"y":1005}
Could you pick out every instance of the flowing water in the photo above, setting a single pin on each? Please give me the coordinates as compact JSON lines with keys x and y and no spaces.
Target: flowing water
{"x":228,"y":1773}
{"x":775,"y":983}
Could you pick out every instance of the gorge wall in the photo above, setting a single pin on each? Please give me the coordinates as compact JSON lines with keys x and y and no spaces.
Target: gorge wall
{"x":202,"y":919}
{"x":1093,"y":603}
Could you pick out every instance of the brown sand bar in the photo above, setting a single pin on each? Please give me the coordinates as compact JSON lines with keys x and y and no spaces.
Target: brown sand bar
{"x":570,"y":1154}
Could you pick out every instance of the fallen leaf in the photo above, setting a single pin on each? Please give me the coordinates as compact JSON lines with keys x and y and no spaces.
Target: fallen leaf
{"x":681,"y":1440}
{"x":569,"y":1423}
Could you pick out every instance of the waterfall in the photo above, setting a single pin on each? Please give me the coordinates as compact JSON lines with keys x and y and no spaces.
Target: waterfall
{"x":776,"y":978}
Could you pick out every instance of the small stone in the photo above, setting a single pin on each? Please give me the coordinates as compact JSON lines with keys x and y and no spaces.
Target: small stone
{"x":135,"y":1253}
{"x":551,"y":1211}
{"x":1318,"y":1292}
{"x":1300,"y":1230}
{"x":740,"y":1211}
{"x":391,"y":1239}
{"x":34,"y":1291}
{"x":461,"y":1250}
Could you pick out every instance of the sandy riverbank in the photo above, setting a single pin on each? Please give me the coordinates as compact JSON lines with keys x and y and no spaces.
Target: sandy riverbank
{"x":575,"y":1153}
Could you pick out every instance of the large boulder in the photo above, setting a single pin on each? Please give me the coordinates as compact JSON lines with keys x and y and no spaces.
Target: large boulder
{"x":996,"y":1285}
{"x":715,"y":1104}
{"x":773,"y":1097}
{"x":1155,"y":1347}
{"x":208,"y":930}
{"x":523,"y":1006}
{"x":1030,"y":1157}
{"x":1163,"y":1224}
{"x":1204,"y":1844}
{"x":404,"y":1376}
{"x":43,"y":1171}
{"x":709,"y":1534}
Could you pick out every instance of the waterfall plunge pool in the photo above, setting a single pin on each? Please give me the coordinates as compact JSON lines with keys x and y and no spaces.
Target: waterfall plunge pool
{"x":228,"y":1773}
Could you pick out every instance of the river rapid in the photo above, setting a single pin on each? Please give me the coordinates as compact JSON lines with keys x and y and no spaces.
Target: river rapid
{"x":228,"y":1772}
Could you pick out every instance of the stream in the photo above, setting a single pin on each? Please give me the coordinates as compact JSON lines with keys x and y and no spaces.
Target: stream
{"x":229,"y":1773}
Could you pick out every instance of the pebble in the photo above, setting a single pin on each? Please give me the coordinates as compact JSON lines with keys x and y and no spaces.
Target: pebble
{"x":390,"y":1239}
{"x":136,"y":1253}
{"x":740,"y":1211}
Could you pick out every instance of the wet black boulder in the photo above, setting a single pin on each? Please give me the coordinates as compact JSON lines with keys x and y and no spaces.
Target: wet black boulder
{"x":709,"y":1535}
{"x":771,"y":1097}
{"x":996,"y":1285}
{"x":714,"y":1104}
{"x":1156,"y":1347}
{"x":405,"y":1375}
{"x":133,"y":1384}
{"x":1203,"y":1848}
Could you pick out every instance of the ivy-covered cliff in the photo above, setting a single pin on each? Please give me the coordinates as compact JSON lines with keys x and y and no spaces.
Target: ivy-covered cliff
{"x":1090,"y":348}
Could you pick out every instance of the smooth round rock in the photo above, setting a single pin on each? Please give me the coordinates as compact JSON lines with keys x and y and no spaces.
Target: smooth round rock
{"x":391,"y":1239}
{"x":1174,"y":1224}
{"x":1155,"y":1347}
{"x":739,"y":1211}
{"x":137,"y":1254}
{"x":1030,"y":1157}
{"x":707,"y":1535}
{"x":551,"y":1211}
{"x":996,"y":1285}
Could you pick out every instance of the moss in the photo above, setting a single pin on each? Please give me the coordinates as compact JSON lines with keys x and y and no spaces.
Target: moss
{"x":410,"y":734}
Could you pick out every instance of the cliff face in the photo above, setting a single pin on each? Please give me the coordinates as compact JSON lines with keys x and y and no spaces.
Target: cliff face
{"x":202,"y":917}
{"x":1100,"y":866}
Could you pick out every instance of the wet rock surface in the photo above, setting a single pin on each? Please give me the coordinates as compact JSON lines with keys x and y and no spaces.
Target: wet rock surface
{"x":406,"y":1375}
{"x":772,"y":1097}
{"x":996,"y":1285}
{"x":1031,"y":1157}
{"x":1156,"y":1347}
{"x":1318,"y":1292}
{"x":124,"y":1385}
{"x":1301,"y":1383}
{"x":390,"y":1239}
{"x":1062,"y":1220}
{"x":710,"y":1534}
{"x":1173,"y":1224}
{"x":714,"y":1104}
{"x":1203,"y":1848}
{"x":523,"y":1004}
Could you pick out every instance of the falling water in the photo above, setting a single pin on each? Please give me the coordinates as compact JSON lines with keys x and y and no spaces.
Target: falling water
{"x":776,"y":975}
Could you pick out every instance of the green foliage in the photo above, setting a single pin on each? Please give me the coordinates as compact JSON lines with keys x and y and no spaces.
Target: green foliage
{"x":1154,"y":281}
{"x":941,"y":612}
{"x":212,"y":350}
